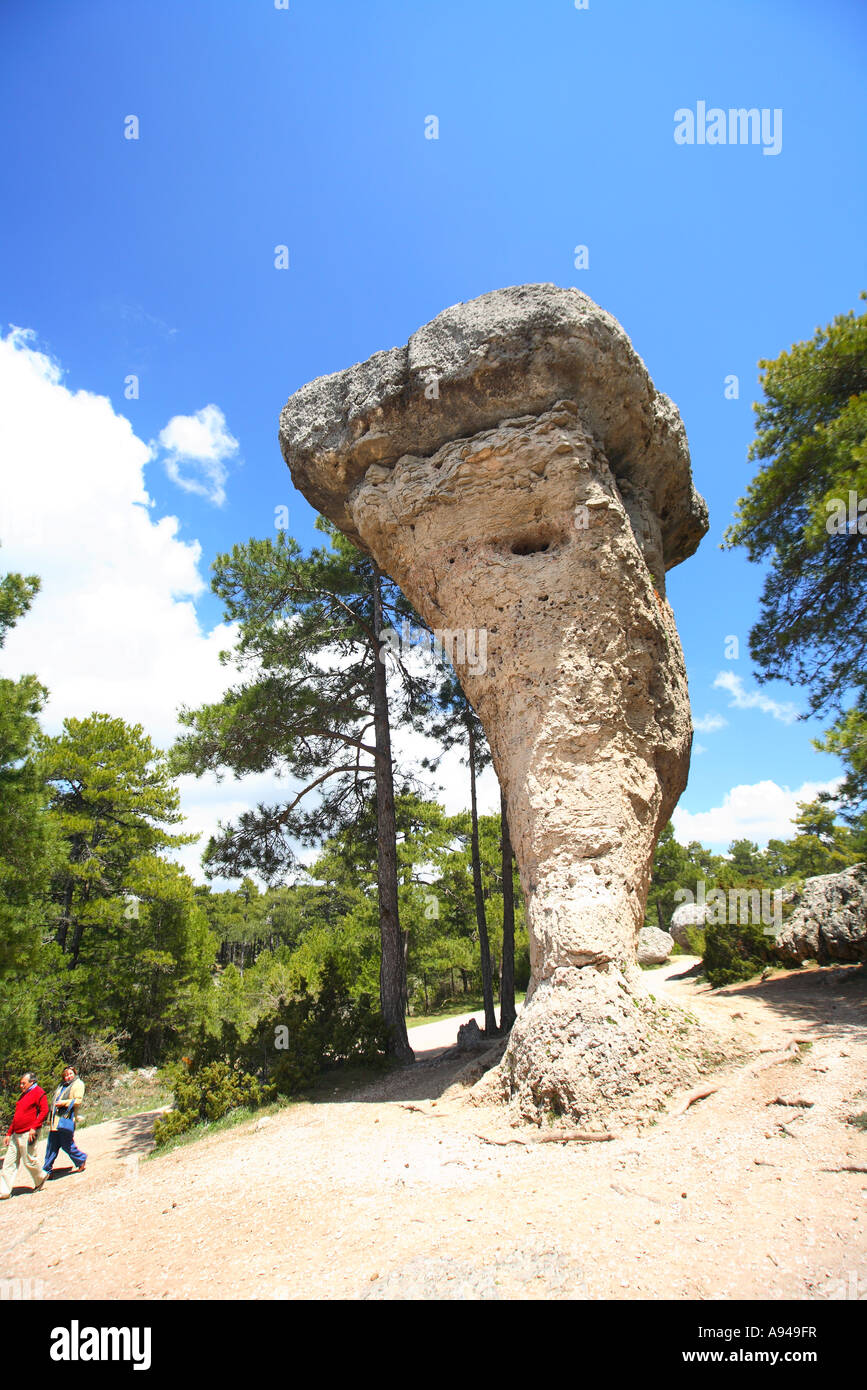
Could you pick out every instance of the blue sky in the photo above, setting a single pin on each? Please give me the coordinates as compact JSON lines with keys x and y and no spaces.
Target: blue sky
{"x":305,"y":127}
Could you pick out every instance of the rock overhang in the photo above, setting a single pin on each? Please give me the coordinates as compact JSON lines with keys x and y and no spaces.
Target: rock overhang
{"x":512,"y":352}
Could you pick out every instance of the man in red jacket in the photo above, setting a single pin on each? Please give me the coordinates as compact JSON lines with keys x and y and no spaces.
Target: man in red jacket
{"x":22,"y":1134}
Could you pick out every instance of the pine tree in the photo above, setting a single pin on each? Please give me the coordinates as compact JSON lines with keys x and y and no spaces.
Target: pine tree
{"x":812,"y":438}
{"x":806,"y":513}
{"x":27,"y":847}
{"x":459,"y":725}
{"x":112,"y":798}
{"x":313,"y":705}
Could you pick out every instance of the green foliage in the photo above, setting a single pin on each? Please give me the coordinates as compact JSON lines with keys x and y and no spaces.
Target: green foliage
{"x":821,"y":846}
{"x":676,"y":867}
{"x":207,"y":1094}
{"x":847,"y":739}
{"x":112,"y":796}
{"x":306,"y":636}
{"x":736,"y":951}
{"x":17,"y":592}
{"x":696,"y":938}
{"x":796,"y":515}
{"x":303,"y":1035}
{"x":27,"y":844}
{"x":812,"y":439}
{"x":154,"y":962}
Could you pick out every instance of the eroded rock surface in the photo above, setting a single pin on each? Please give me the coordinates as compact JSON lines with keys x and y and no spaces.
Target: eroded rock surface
{"x":654,"y":946}
{"x":687,"y":915}
{"x":514,"y":470}
{"x":829,"y":922}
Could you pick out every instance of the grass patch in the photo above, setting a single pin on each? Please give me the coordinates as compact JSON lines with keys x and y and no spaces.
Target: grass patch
{"x":859,"y":1120}
{"x":129,"y":1094}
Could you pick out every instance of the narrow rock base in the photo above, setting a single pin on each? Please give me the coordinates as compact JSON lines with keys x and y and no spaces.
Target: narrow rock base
{"x":593,"y":1047}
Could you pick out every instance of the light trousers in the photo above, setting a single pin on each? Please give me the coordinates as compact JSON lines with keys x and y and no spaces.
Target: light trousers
{"x":20,"y":1150}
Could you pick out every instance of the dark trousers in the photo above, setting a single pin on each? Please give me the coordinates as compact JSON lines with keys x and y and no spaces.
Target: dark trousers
{"x":62,"y":1139}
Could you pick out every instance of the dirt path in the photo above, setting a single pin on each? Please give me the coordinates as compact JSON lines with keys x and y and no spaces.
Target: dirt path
{"x":392,"y":1193}
{"x":431,"y":1040}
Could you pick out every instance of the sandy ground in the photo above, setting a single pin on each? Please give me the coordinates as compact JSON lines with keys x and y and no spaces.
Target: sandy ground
{"x":397,"y":1192}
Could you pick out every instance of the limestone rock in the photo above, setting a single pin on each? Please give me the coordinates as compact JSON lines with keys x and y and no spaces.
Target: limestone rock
{"x":654,"y":946}
{"x":513,"y":352}
{"x":470,"y":1036}
{"x":514,"y":470}
{"x":829,"y":922}
{"x":687,"y":915}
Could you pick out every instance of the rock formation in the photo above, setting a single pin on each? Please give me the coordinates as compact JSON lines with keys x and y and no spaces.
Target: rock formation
{"x":654,"y":946}
{"x":514,"y":470}
{"x":687,"y":915}
{"x":829,"y":921}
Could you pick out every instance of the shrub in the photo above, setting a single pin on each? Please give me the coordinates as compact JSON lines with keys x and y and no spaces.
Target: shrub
{"x":735,"y":952}
{"x":696,"y":936}
{"x":310,"y":1034}
{"x":207,"y":1094}
{"x":283,"y":1054}
{"x":302,"y":1037}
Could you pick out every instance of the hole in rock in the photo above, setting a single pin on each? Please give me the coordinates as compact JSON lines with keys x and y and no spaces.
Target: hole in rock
{"x":529,"y":547}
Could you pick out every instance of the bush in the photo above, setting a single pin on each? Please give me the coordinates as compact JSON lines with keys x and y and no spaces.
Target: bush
{"x":304,"y":1036}
{"x":697,"y":940}
{"x":311,"y":1034}
{"x":283,"y":1054}
{"x":735,"y":952}
{"x":209,"y":1093}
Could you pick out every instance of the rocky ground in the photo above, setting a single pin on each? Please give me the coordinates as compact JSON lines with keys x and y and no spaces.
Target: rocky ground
{"x":406,"y":1189}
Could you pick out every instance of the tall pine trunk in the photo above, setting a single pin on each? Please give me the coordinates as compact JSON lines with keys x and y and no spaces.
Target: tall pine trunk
{"x":63,"y":927}
{"x":487,"y":977}
{"x":392,"y":970}
{"x":507,"y":978}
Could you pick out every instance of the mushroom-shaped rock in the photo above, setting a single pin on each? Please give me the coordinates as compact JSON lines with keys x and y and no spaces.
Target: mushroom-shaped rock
{"x":514,"y":470}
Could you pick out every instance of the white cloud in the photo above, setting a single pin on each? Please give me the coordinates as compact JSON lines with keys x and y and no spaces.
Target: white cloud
{"x":698,"y":748}
{"x":785,"y":711}
{"x":760,"y":811}
{"x":114,"y":627}
{"x":197,"y":447}
{"x":709,"y":724}
{"x":207,"y":802}
{"x":450,"y":783}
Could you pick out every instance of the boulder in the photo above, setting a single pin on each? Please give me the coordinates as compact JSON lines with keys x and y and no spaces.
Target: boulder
{"x":829,"y":921}
{"x":687,"y":915}
{"x":654,"y":946}
{"x":470,"y":1036}
{"x":515,"y":471}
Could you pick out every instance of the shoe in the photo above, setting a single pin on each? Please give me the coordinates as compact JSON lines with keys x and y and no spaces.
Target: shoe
{"x":82,"y":1168}
{"x":39,"y":1185}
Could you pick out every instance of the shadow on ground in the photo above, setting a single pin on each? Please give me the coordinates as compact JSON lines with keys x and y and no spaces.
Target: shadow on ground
{"x":830,"y":1000}
{"x":135,"y":1132}
{"x":423,"y":1080}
